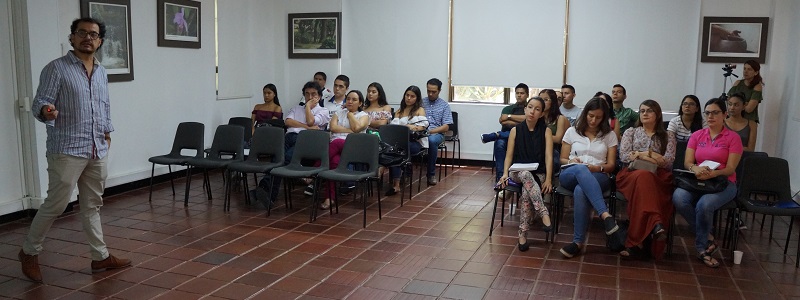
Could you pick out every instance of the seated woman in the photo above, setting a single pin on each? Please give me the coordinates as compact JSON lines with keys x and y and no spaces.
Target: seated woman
{"x":591,"y":149}
{"x":379,"y":111}
{"x":688,"y":120}
{"x":349,"y":120}
{"x":412,"y":115}
{"x":557,"y":122}
{"x":719,"y":144}
{"x":269,"y":110}
{"x":649,"y":194}
{"x":736,"y":121}
{"x":612,"y":118}
{"x":531,"y":142}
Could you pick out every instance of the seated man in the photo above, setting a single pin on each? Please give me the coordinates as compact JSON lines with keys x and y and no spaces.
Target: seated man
{"x":439,"y":119}
{"x":510,"y":117}
{"x":568,"y":108}
{"x":336,"y":103}
{"x":301,"y":117}
{"x":625,"y":116}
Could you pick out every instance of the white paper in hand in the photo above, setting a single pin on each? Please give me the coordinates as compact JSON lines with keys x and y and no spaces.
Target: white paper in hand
{"x":523,"y":167}
{"x":710,"y":164}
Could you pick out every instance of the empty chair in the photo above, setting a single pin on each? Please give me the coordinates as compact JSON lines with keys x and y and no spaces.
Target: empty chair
{"x":312,"y":145}
{"x":225,"y":149}
{"x":266,"y":153}
{"x":360,"y":149}
{"x":247,"y":124}
{"x":189,"y":136}
{"x":450,"y":136}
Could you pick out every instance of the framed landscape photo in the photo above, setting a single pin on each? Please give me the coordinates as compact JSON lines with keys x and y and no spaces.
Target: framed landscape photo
{"x":315,"y":35}
{"x":734,"y":39}
{"x":116,"y":52}
{"x":178,"y":23}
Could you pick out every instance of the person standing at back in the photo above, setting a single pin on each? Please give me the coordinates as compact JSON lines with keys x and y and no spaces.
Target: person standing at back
{"x":72,"y":100}
{"x":439,"y":117}
{"x":568,"y":108}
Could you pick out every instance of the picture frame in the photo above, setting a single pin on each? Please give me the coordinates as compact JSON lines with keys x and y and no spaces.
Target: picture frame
{"x":734,"y":39}
{"x":116,"y":52}
{"x":315,"y":35}
{"x":178,"y":24}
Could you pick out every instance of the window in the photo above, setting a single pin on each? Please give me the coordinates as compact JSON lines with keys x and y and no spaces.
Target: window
{"x":490,"y":94}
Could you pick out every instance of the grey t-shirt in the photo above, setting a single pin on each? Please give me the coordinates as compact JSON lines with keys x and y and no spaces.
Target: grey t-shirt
{"x":572,"y":114}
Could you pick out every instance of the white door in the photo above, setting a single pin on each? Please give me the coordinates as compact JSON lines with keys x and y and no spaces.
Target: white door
{"x":11,"y":173}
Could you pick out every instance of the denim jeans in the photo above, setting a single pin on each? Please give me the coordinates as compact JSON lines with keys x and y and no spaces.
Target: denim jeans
{"x":500,"y":146}
{"x":701,"y":215}
{"x":434,"y":140}
{"x":587,"y":188}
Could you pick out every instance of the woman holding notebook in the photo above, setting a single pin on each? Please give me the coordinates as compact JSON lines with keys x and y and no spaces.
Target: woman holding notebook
{"x":528,"y":143}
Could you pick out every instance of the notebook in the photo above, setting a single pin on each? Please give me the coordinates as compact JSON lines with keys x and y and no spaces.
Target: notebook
{"x":524,"y":167}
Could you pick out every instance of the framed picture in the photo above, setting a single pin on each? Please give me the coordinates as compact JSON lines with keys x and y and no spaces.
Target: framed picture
{"x":315,"y":35}
{"x":116,"y":52}
{"x":733,"y":39}
{"x":178,"y":23}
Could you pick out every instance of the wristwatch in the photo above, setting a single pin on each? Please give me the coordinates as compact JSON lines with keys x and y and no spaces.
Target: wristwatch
{"x":508,"y":117}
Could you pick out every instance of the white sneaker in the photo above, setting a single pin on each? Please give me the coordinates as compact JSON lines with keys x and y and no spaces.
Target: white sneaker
{"x":501,"y":194}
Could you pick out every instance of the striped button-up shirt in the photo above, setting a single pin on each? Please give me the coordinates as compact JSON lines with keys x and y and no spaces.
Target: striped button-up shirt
{"x":437,"y":111}
{"x":84,"y":113}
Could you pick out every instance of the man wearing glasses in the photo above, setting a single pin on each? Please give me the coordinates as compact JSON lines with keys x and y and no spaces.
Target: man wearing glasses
{"x":72,"y":100}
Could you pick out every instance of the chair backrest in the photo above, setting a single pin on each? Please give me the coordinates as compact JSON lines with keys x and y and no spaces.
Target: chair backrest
{"x":765,"y":175}
{"x":228,"y":141}
{"x":680,"y":155}
{"x":312,"y":145}
{"x":246,"y":123}
{"x":190,"y":135}
{"x":267,"y":140}
{"x":745,"y":156}
{"x":360,"y":148}
{"x":397,"y":136}
{"x":452,"y":130}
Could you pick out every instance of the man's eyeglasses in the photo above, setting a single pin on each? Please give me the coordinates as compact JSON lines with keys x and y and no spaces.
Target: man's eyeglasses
{"x":709,"y":113}
{"x":648,"y":110}
{"x":91,"y":34}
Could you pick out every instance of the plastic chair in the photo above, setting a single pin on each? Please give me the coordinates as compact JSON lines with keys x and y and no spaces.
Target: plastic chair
{"x":768,"y":176}
{"x":267,"y":141}
{"x":359,"y":149}
{"x":399,"y":136}
{"x":311,"y":145}
{"x":450,"y":136}
{"x":225,"y":149}
{"x":190,"y":135}
{"x":246,"y":123}
{"x":611,"y":195}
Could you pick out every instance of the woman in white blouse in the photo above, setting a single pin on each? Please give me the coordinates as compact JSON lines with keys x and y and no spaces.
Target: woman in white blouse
{"x":688,"y":120}
{"x":412,"y":115}
{"x":590,"y":148}
{"x":349,"y":120}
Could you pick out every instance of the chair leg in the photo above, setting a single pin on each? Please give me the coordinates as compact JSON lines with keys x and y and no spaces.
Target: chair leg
{"x":363,"y":201}
{"x":503,"y":210}
{"x":494,"y":211}
{"x":227,"y":192}
{"x":152,"y":172}
{"x":788,"y":236}
{"x":188,"y":182}
{"x":171,"y":182}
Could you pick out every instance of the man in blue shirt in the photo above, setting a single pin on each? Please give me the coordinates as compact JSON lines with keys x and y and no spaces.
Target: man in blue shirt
{"x":439,"y":118}
{"x":72,"y":100}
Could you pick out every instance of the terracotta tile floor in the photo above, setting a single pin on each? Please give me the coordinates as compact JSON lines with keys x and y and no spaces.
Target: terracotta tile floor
{"x":435,"y":246}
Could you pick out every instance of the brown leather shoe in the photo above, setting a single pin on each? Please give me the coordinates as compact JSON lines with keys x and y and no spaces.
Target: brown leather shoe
{"x":30,"y":266}
{"x":110,"y":262}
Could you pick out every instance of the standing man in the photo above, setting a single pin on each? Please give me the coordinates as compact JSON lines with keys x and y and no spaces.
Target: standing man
{"x":72,"y":100}
{"x":510,"y":117}
{"x":439,"y":118}
{"x":568,"y":108}
{"x":625,"y":116}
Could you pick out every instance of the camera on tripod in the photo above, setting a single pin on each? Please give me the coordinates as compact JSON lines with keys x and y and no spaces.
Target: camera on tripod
{"x":728,"y":68}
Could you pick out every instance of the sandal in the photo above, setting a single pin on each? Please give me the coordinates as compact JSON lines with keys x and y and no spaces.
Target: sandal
{"x":632,"y":253}
{"x":712,"y":247}
{"x":708,"y":260}
{"x":659,"y":233}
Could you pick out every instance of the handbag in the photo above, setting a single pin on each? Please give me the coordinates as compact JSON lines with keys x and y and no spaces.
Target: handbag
{"x":641,"y":164}
{"x":688,"y":181}
{"x":416,"y":135}
{"x":389,"y":155}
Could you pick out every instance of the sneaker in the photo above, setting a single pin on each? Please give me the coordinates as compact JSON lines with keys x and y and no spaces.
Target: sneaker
{"x":610,"y":225}
{"x":569,"y":251}
{"x":488,"y":137}
{"x":501,"y":194}
{"x":309,"y":190}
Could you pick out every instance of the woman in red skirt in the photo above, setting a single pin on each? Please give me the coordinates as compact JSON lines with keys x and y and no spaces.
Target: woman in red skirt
{"x":649,"y":192}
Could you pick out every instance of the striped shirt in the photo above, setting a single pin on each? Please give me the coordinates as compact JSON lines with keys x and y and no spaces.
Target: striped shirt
{"x":84,"y":111}
{"x":438,"y":112}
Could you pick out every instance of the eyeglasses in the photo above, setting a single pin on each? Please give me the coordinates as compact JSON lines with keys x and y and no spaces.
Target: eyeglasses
{"x":709,"y":113}
{"x":83,"y":34}
{"x":689,"y":104}
{"x":649,"y":111}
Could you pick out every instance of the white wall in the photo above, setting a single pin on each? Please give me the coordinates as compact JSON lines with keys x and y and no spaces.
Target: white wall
{"x":173,"y":85}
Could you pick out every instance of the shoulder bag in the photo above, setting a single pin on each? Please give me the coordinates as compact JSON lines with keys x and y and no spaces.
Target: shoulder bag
{"x":688,"y":181}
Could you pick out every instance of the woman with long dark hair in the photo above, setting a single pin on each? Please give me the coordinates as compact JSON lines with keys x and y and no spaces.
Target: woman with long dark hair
{"x":412,"y":115}
{"x":269,"y":110}
{"x":551,"y":114}
{"x":649,"y":193}
{"x":349,"y":120}
{"x":376,"y":106}
{"x":688,"y":120}
{"x":589,"y":150}
{"x":752,"y":86}
{"x":736,"y":121}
